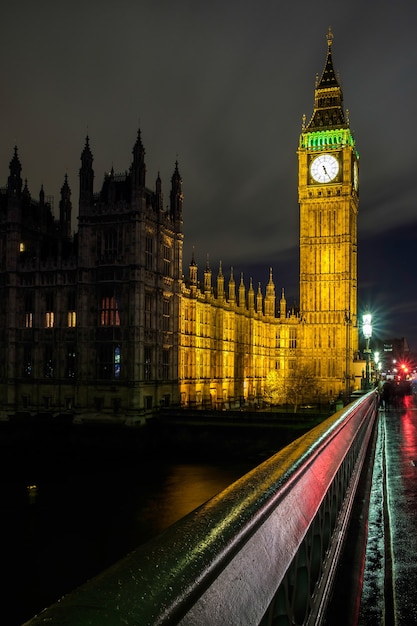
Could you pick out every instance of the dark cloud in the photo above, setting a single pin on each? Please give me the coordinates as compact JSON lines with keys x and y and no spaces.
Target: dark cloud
{"x":222,"y":86}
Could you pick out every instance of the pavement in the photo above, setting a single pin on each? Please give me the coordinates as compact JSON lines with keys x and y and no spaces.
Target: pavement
{"x":389,"y":584}
{"x":376,"y":583}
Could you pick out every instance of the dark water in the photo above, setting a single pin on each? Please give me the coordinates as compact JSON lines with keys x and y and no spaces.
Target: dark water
{"x":70,"y":508}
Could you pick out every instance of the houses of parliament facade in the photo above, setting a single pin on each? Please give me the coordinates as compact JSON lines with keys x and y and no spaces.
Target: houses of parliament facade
{"x":105,"y":321}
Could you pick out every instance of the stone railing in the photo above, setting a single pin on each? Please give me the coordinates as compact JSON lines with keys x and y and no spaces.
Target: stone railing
{"x":263,"y":551}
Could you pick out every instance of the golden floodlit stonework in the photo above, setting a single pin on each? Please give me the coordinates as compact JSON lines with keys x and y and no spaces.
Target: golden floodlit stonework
{"x":103,"y":323}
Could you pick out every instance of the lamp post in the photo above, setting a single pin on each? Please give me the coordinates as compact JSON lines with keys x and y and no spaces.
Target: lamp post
{"x":367,"y":333}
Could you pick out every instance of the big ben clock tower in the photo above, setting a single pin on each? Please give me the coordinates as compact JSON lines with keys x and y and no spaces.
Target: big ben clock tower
{"x":328,"y":198}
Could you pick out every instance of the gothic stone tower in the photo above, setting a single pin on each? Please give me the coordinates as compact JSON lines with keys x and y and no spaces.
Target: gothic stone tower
{"x":130,"y":268}
{"x":328,"y":199}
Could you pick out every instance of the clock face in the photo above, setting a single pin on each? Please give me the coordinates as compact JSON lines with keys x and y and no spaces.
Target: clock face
{"x":324,"y":168}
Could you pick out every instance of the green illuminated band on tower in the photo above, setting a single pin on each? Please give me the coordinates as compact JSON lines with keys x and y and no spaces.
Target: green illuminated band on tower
{"x":327,"y":139}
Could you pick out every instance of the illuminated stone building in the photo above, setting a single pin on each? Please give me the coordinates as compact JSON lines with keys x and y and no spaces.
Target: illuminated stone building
{"x":104,"y":321}
{"x":90,"y":323}
{"x":230,"y":340}
{"x":129,"y":264}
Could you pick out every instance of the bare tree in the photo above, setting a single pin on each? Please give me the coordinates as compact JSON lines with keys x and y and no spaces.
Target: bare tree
{"x":274,"y":390}
{"x":301,"y":386}
{"x":296,"y":388}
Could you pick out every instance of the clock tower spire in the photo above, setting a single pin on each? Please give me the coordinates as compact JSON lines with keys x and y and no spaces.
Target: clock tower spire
{"x":328,"y":199}
{"x":328,"y":97}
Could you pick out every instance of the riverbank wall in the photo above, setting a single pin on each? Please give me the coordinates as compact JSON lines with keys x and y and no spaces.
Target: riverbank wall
{"x":51,"y":444}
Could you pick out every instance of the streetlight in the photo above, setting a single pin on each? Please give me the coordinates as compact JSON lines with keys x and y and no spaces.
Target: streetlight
{"x":367,"y":333}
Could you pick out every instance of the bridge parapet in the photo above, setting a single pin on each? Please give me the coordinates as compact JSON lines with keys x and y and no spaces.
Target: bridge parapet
{"x":263,"y":551}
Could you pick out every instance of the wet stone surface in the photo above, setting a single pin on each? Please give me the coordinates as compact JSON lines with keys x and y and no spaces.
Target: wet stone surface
{"x":392,"y":532}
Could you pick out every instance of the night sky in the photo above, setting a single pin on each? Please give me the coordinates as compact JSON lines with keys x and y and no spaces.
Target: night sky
{"x":222,"y":86}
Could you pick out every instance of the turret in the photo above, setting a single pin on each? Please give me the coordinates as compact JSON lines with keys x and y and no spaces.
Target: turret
{"x":65,"y":208}
{"x":207,"y":278}
{"x":138,"y":172}
{"x":14,"y":185}
{"x":193,"y":276}
{"x":86,"y":179}
{"x":283,"y":306}
{"x":41,"y":219}
{"x":26,"y":192}
{"x":270,"y":296}
{"x":251,"y":297}
{"x":25,"y":202}
{"x":176,"y":196}
{"x":259,"y":299}
{"x":220,"y":283}
{"x":14,"y":210}
{"x":232,"y":287}
{"x":159,"y":199}
{"x":242,"y":292}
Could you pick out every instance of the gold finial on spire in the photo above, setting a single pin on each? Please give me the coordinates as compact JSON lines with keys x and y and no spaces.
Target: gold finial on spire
{"x":329,"y":37}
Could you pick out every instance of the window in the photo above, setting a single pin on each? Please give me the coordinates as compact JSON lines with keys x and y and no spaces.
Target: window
{"x":148,"y":310}
{"x":49,"y":319}
{"x":49,"y":315}
{"x":117,"y":362}
{"x":185,"y":365}
{"x":147,"y":374}
{"x":70,"y":364}
{"x":71,"y":315}
{"x":166,"y":309}
{"x":28,"y":310}
{"x":109,"y":309}
{"x":167,"y":260}
{"x":165,"y":363}
{"x":109,"y":362}
{"x":72,"y":319}
{"x":27,"y":362}
{"x":110,"y":243}
{"x":293,"y":338}
{"x":148,"y":253}
{"x":48,"y":362}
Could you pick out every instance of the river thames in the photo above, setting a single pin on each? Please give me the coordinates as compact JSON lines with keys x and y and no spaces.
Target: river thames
{"x":77,"y":498}
{"x":69,"y":509}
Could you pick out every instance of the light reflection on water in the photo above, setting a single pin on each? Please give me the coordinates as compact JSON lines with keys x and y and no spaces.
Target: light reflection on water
{"x":185,"y":487}
{"x":65,"y":527}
